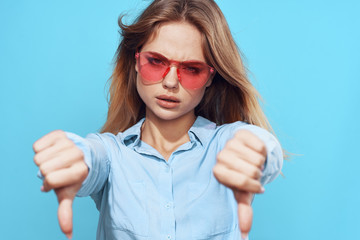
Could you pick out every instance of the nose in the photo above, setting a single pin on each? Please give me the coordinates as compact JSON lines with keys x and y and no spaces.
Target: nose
{"x":171,"y":77}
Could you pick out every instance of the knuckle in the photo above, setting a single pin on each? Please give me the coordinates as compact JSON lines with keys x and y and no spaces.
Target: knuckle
{"x":83,"y":167}
{"x":78,"y":153}
{"x":80,"y":172}
{"x":242,"y":133}
{"x":254,"y":173}
{"x":67,"y":142}
{"x":238,"y":134}
{"x":259,"y":161}
{"x":258,"y":174}
{"x":232,"y":144}
{"x":35,"y":146}
{"x":258,"y":187}
{"x":84,"y":171}
{"x":262,"y":160}
{"x":262,"y":146}
{"x":58,"y":133}
{"x":43,"y":170}
{"x":50,"y":181}
{"x":220,"y":156}
{"x":37,"y":159}
{"x":217,"y":170}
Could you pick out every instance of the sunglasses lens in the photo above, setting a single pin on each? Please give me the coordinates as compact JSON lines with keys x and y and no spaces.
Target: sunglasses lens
{"x":194,"y":75}
{"x":154,"y":67}
{"x":151,"y":67}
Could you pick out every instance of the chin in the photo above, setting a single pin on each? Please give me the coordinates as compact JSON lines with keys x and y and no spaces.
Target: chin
{"x":169,"y":115}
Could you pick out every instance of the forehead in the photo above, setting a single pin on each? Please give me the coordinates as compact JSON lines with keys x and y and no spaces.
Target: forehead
{"x":177,"y":40}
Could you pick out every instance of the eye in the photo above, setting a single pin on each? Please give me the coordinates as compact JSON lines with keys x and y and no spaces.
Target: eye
{"x":192,"y":70}
{"x":155,"y":61}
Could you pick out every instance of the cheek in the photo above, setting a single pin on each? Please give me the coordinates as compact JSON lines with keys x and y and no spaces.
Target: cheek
{"x":197,"y":96}
{"x":146,"y":92}
{"x":201,"y":95}
{"x":140,"y":88}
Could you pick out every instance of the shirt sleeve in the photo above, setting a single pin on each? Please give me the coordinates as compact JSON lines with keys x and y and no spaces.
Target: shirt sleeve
{"x":274,"y":158}
{"x":96,"y":158}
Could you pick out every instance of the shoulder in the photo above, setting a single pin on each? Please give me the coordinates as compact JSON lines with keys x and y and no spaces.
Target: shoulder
{"x":228,"y":130}
{"x":209,"y":132}
{"x":223,"y":133}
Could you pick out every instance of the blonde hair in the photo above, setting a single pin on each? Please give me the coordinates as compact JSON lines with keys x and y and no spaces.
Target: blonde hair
{"x":231,"y":97}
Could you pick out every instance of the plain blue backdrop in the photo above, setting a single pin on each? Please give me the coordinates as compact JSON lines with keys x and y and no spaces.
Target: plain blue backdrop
{"x":55,"y":59}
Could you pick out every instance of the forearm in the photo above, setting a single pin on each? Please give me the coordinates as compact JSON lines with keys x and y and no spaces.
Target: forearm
{"x":96,"y":158}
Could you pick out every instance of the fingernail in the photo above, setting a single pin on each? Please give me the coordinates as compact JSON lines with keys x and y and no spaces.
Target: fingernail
{"x":244,"y":236}
{"x":262,"y":168}
{"x":69,"y":235}
{"x":262,"y":190}
{"x":42,"y":189}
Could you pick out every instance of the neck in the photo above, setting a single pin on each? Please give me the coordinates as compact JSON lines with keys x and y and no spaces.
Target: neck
{"x":166,"y":135}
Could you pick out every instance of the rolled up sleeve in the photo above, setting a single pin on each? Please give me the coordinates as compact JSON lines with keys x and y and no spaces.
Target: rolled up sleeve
{"x":96,"y":158}
{"x":274,"y":158}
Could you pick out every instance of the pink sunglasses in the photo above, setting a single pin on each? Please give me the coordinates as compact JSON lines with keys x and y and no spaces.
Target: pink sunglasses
{"x":153,"y":67}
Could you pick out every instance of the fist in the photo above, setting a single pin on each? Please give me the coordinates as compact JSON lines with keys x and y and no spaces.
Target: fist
{"x":239,"y":167}
{"x":64,"y":169}
{"x":59,"y":160}
{"x":240,"y":163}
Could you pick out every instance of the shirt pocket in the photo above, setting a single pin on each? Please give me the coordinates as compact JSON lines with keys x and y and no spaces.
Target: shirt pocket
{"x":130,"y":211}
{"x":212,"y":211}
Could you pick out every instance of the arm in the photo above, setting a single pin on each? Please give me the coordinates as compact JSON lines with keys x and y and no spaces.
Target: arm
{"x":252,"y":157}
{"x":68,"y":164}
{"x":96,"y":157}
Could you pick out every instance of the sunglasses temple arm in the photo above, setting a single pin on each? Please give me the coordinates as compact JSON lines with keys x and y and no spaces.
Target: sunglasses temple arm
{"x":166,"y":72}
{"x":178,"y":74}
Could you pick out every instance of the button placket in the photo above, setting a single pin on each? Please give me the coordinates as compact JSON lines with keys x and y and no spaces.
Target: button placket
{"x":167,"y":201}
{"x":168,"y":205}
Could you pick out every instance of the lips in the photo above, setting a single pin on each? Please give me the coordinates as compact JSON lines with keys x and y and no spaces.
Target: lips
{"x":168,"y":102}
{"x":168,"y":98}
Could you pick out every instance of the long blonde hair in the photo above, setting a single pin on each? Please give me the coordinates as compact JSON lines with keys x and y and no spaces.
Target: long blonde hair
{"x":231,"y":97}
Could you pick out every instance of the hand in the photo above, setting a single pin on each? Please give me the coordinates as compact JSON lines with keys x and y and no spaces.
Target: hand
{"x":239,"y":167}
{"x":64,"y":169}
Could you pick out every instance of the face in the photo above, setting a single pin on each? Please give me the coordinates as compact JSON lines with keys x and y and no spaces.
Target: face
{"x":167,"y":99}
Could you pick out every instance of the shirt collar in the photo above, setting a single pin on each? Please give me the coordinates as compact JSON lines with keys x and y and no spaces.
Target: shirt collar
{"x":132,"y":134}
{"x":200,"y":131}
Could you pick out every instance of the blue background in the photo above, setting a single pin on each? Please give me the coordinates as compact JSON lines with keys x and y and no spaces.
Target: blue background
{"x":55,"y":59}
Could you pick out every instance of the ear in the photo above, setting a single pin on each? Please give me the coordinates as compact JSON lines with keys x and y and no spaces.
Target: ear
{"x":209,"y":82}
{"x":136,"y":68}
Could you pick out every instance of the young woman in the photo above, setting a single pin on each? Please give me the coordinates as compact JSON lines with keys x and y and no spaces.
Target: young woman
{"x":185,"y":145}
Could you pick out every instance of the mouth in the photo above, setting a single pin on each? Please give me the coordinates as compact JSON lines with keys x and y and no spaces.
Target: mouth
{"x":168,"y":99}
{"x":168,"y":102}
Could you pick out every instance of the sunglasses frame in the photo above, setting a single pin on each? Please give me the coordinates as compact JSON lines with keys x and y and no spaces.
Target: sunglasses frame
{"x":177,"y":64}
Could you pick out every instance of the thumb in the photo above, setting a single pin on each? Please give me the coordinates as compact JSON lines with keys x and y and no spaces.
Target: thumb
{"x":245,"y":212}
{"x":65,"y":199}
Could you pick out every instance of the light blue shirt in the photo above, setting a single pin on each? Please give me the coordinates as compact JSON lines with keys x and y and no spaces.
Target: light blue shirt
{"x":142,"y":196}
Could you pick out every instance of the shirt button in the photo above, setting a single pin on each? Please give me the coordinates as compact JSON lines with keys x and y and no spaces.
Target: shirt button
{"x":167,"y":169}
{"x":168,"y":205}
{"x":168,"y":237}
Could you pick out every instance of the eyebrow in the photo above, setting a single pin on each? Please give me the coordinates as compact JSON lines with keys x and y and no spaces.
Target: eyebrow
{"x":161,"y":55}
